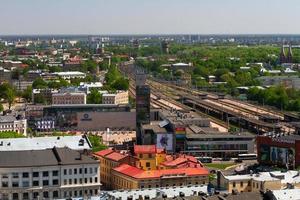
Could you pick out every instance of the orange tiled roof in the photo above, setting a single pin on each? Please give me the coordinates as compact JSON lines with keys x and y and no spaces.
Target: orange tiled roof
{"x":143,"y":149}
{"x":104,"y":152}
{"x":141,"y":174}
{"x":115,"y":156}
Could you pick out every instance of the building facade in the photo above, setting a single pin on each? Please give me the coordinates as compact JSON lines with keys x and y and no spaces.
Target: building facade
{"x":47,"y":174}
{"x":120,"y":97}
{"x":11,"y":123}
{"x":69,"y":98}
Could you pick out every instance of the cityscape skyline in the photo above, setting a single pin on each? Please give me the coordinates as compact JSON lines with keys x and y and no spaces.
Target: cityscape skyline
{"x":143,"y":17}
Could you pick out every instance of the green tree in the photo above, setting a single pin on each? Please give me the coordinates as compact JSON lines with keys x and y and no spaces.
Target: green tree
{"x":94,"y":97}
{"x":27,"y":94}
{"x":1,"y":108}
{"x":10,"y":97}
{"x":39,"y":83}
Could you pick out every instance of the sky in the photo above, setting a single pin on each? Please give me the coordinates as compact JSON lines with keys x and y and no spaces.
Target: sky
{"x":149,"y":17}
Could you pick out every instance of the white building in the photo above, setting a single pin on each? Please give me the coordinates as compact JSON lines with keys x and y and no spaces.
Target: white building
{"x":70,"y":75}
{"x":47,"y":174}
{"x":86,"y":87}
{"x":11,"y":123}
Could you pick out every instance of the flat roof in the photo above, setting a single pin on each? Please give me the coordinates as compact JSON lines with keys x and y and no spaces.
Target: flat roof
{"x":39,"y":143}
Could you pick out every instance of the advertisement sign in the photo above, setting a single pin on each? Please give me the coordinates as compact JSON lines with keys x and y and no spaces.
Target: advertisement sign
{"x":165,"y":141}
{"x":277,"y":155}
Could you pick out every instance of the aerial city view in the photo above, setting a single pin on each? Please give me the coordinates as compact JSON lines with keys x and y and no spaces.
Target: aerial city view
{"x":142,"y":100}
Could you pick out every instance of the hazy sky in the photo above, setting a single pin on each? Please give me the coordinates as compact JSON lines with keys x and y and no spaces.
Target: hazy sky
{"x":149,"y":16}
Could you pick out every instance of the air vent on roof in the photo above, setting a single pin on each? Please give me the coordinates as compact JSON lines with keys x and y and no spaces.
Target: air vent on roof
{"x":58,"y":138}
{"x":81,"y":142}
{"x":8,"y":144}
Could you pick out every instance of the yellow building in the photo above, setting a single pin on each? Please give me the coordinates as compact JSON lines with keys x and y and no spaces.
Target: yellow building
{"x":148,"y":156}
{"x":110,"y":159}
{"x":130,"y":177}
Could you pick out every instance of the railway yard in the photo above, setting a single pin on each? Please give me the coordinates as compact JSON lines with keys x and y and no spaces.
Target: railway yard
{"x":222,"y":110}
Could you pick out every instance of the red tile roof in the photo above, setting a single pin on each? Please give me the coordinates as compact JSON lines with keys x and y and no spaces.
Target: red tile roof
{"x":182,"y":160}
{"x":103,"y":152}
{"x":141,"y":174}
{"x":143,"y":149}
{"x":116,"y":156}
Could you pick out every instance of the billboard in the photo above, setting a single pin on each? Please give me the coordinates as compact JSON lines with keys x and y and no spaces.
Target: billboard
{"x":277,"y":155}
{"x":164,"y":140}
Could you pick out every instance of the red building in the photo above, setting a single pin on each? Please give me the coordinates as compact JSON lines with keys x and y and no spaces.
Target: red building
{"x":283,"y":151}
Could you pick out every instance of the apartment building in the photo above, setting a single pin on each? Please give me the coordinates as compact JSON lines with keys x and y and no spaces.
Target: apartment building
{"x":69,"y":98}
{"x":47,"y":174}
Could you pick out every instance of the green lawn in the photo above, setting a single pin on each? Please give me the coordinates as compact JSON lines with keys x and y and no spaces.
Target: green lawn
{"x":218,"y":165}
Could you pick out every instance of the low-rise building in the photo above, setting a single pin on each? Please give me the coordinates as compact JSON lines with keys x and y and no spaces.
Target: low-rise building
{"x":69,"y":98}
{"x":45,"y":93}
{"x":69,"y":75}
{"x":47,"y":174}
{"x":11,"y":123}
{"x":262,"y":181}
{"x":120,"y":97}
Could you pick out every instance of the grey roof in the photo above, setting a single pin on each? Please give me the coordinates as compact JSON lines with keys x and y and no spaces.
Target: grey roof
{"x":39,"y":158}
{"x":8,"y":118}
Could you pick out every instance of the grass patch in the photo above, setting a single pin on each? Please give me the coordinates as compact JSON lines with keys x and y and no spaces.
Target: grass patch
{"x":218,"y":165}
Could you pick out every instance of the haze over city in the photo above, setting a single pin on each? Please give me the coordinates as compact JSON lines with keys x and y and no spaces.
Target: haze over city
{"x":149,"y":17}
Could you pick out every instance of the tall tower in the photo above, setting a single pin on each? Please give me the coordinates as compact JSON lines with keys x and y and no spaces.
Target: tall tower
{"x":290,"y":55}
{"x":142,"y":104}
{"x":165,"y":47}
{"x":282,"y":57}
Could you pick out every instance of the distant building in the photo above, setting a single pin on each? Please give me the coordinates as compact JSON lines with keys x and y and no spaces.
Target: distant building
{"x":11,"y":123}
{"x":45,"y":93}
{"x":69,"y":98}
{"x":48,"y":174}
{"x":286,"y":58}
{"x":120,"y":97}
{"x":287,"y":81}
{"x":21,"y":85}
{"x":5,"y":75}
{"x":71,"y":74}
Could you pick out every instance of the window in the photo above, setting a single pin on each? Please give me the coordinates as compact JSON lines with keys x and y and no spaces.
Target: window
{"x":25,"y":183}
{"x":4,"y":176}
{"x":55,"y":182}
{"x":15,"y":175}
{"x":35,"y":174}
{"x":96,"y":179}
{"x":242,"y":183}
{"x":25,"y":196}
{"x":55,"y":173}
{"x":85,"y":170}
{"x":15,"y":184}
{"x":233,"y":184}
{"x":45,"y":174}
{"x":46,"y":194}
{"x":149,"y":155}
{"x":65,"y":172}
{"x":45,"y":182}
{"x":249,"y":183}
{"x":80,"y":181}
{"x":75,"y":171}
{"x":65,"y":182}
{"x":75,"y":193}
{"x":75,"y":181}
{"x":96,"y":170}
{"x":91,"y":180}
{"x":80,"y":171}
{"x":91,"y":170}
{"x":25,"y":175}
{"x":141,"y":155}
{"x":70,"y":181}
{"x":70,"y":171}
{"x":147,"y":164}
{"x":35,"y":195}
{"x":35,"y":183}
{"x":15,"y":196}
{"x":4,"y":184}
{"x":85,"y":180}
{"x":55,"y":194}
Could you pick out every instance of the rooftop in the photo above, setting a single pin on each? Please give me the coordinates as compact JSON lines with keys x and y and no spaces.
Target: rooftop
{"x":45,"y":157}
{"x":141,"y":174}
{"x":39,"y":143}
{"x":144,"y":149}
